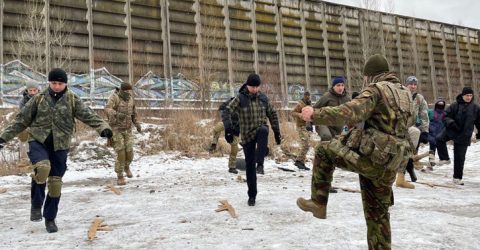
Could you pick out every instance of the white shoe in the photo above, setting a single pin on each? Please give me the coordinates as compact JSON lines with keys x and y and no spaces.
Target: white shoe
{"x":443,"y":162}
{"x":457,"y":181}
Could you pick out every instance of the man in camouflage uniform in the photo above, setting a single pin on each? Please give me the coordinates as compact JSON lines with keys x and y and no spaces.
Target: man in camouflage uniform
{"x":50,"y":115}
{"x":218,"y":129}
{"x":121,"y":113}
{"x":253,"y":109}
{"x":375,"y":152}
{"x":31,"y":89}
{"x":303,"y":129}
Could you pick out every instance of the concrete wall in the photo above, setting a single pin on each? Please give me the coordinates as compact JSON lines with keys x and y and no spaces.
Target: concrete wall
{"x":286,"y":41}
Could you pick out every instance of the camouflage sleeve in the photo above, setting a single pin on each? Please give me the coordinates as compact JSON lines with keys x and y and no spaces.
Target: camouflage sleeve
{"x":110,"y":107}
{"x":297,"y":111}
{"x":352,"y":112}
{"x":135,"y":115}
{"x":227,"y":112}
{"x":322,"y":102}
{"x":88,"y":116}
{"x":273,"y":118}
{"x":423,"y":115}
{"x":23,"y":119}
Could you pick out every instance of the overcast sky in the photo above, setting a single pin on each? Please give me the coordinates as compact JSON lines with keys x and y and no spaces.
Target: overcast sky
{"x":459,"y":12}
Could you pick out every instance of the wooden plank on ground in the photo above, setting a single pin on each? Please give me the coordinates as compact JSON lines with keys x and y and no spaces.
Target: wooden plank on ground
{"x":226,"y":206}
{"x":92,"y":231}
{"x":114,"y":189}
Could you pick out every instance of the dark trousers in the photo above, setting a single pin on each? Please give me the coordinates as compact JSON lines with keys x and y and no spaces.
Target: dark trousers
{"x":459,"y":152}
{"x":58,"y":162}
{"x":255,"y":151}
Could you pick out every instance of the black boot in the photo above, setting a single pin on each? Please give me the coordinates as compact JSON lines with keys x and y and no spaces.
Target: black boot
{"x":51,"y":226}
{"x":233,"y":170}
{"x":301,"y":165}
{"x":251,"y":201}
{"x":411,"y":170}
{"x":36,"y":214}
{"x":260,"y":169}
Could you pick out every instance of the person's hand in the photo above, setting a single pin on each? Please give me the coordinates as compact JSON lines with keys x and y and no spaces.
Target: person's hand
{"x":138,"y":127}
{"x":278,"y":138}
{"x":423,"y":138}
{"x":106,"y":133}
{"x":229,"y":135}
{"x":307,"y":113}
{"x":2,"y":142}
{"x":453,"y":126}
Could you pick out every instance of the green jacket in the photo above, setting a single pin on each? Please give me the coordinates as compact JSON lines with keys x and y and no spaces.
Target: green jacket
{"x":43,"y":117}
{"x":253,"y":111}
{"x":121,"y":114}
{"x":332,"y":99}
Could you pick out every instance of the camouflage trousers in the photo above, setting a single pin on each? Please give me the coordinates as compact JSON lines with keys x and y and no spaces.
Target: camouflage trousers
{"x":123,"y":145}
{"x":217,"y":131}
{"x":304,"y":136}
{"x":375,"y":183}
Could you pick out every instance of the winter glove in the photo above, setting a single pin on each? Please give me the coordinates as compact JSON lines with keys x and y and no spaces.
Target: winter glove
{"x":1,"y":143}
{"x":453,"y":126}
{"x":229,"y":135}
{"x":278,"y":137}
{"x":138,"y":127}
{"x":423,"y":138}
{"x":106,"y":133}
{"x":309,"y":127}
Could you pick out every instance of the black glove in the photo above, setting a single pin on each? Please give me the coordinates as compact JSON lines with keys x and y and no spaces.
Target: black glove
{"x":453,"y":126}
{"x":423,"y":138}
{"x":278,"y":138}
{"x":476,"y":136}
{"x":309,"y":127}
{"x":106,"y":133}
{"x":229,"y":135}
{"x":1,"y":143}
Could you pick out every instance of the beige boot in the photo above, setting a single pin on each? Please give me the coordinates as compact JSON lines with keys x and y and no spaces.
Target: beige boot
{"x":121,"y":180}
{"x":128,"y":172}
{"x":319,"y":211}
{"x":402,"y":183}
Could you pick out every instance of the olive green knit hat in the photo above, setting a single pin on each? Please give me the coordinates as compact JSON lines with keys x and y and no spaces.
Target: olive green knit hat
{"x":375,"y":65}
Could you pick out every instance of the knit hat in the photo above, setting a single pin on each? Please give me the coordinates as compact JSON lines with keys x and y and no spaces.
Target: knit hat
{"x":375,"y":65}
{"x":467,"y":90}
{"x":57,"y":75}
{"x":410,"y":80}
{"x":126,"y":86}
{"x":253,"y":80}
{"x":306,"y":93}
{"x":31,"y":85}
{"x":337,"y":80}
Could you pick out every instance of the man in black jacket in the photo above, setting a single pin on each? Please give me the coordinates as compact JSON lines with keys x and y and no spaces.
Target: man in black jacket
{"x":460,"y":117}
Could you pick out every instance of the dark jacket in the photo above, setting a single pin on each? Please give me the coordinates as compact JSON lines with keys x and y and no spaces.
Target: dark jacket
{"x":332,"y":99}
{"x":465,"y":116}
{"x":234,"y":116}
{"x":253,"y":111}
{"x":436,"y":125}
{"x":25,"y":98}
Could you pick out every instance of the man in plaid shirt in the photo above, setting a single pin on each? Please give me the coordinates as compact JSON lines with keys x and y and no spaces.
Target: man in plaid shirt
{"x":253,"y":108}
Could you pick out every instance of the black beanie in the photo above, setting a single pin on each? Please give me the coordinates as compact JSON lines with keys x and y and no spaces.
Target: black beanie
{"x":467,"y":90}
{"x":57,"y":75}
{"x":253,"y":80}
{"x":126,"y":86}
{"x":375,"y":65}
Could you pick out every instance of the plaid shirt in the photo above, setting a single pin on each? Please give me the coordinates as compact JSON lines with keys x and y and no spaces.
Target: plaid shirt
{"x":253,"y":111}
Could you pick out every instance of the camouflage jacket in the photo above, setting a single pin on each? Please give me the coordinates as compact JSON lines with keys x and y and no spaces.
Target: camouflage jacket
{"x":253,"y":111}
{"x":297,"y":112}
{"x":121,"y":114}
{"x":372,"y":106}
{"x":331,"y":99}
{"x":421,"y":110}
{"x":44,"y":117}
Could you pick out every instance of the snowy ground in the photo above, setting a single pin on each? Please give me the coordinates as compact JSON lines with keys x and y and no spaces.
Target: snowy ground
{"x":170,"y":204}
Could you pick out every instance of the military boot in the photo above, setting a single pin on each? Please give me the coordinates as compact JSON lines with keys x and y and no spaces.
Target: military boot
{"x":251,"y":201}
{"x":401,"y":183}
{"x":301,"y":165}
{"x":36,"y":214}
{"x":260,"y":169}
{"x":121,"y":180}
{"x":319,"y":211}
{"x":411,"y":171}
{"x":233,"y":170}
{"x":128,"y":172}
{"x":51,"y":226}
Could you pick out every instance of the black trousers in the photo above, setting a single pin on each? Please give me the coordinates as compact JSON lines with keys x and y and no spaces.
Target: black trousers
{"x":255,"y":151}
{"x":459,"y":152}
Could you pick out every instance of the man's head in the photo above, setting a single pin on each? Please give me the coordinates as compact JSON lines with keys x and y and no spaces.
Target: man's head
{"x":338,"y":84}
{"x":32,"y":88}
{"x":411,"y":83}
{"x":375,"y":65}
{"x":306,"y":96}
{"x":467,"y":94}
{"x":125,"y":86}
{"x":57,"y":80}
{"x":253,"y":83}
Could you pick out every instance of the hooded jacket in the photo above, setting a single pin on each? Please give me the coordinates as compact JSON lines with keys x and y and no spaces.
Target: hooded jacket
{"x":465,"y":115}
